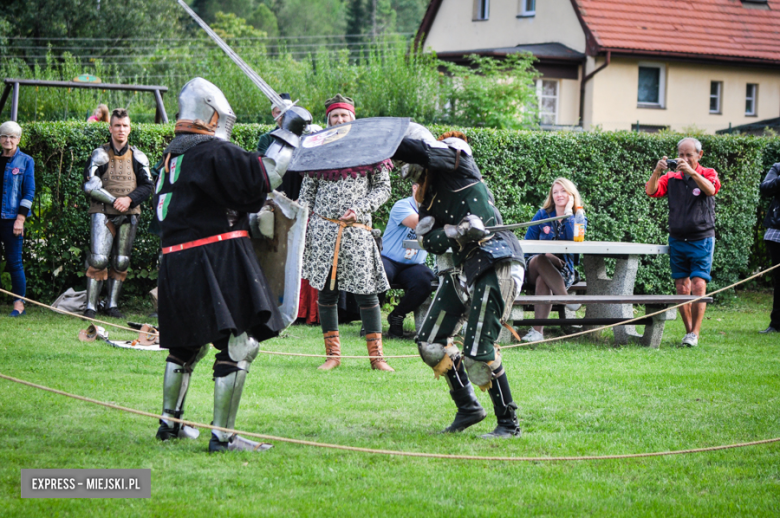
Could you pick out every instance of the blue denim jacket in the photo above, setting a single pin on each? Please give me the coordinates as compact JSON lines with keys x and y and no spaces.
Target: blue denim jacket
{"x":563,"y":231}
{"x":18,"y":185}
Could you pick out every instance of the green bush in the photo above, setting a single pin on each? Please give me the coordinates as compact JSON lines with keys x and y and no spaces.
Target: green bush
{"x":610,"y":170}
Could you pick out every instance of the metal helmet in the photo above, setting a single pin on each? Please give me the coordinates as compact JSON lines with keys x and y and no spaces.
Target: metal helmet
{"x":203,"y":108}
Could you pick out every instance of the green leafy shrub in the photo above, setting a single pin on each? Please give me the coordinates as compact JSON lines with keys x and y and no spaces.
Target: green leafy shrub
{"x":610,"y":170}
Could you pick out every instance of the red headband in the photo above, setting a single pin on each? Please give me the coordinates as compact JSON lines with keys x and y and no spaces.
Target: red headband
{"x":343,"y":106}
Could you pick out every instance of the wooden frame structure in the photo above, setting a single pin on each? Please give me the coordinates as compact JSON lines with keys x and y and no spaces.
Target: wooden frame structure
{"x":13,"y":85}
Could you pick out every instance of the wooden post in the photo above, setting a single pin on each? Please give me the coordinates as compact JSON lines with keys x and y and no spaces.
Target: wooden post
{"x":15,"y":102}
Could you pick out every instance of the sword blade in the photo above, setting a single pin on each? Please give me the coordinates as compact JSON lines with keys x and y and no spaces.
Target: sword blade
{"x":525,"y":224}
{"x":251,"y":74}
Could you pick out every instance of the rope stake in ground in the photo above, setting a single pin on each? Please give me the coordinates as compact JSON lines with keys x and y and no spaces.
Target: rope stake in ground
{"x":526,"y":344}
{"x":394,"y":452}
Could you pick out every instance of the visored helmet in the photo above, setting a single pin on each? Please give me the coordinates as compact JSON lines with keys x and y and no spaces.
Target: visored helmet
{"x":204,"y":109}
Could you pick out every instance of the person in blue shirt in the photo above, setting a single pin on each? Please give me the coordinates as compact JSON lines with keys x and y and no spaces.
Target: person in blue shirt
{"x":552,"y":273}
{"x":18,"y":192}
{"x":405,"y":266}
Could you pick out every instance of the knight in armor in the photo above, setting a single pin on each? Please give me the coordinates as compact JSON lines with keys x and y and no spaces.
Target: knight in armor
{"x":117,"y":182}
{"x":341,"y":252}
{"x":477,"y":285}
{"x":211,"y":287}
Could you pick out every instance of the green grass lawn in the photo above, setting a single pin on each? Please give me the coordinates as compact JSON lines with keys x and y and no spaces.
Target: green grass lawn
{"x":576,"y":398}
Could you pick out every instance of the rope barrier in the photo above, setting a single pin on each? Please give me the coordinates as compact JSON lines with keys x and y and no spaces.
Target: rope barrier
{"x":82,"y":317}
{"x":393,"y":452}
{"x":512,"y":346}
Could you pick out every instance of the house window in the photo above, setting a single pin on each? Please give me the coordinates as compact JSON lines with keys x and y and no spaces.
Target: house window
{"x":526,"y":8}
{"x":751,"y":96}
{"x":716,"y":92}
{"x":652,"y":81}
{"x":481,"y":9}
{"x":547,"y":92}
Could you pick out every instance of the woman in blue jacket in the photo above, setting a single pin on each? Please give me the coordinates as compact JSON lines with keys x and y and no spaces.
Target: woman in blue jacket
{"x":18,"y":193}
{"x":551,"y":273}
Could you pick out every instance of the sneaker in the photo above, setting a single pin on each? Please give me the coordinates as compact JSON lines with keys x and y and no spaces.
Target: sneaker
{"x":396,"y":326}
{"x":691,"y":340}
{"x":533,"y":336}
{"x":770,"y":329}
{"x":114,"y":313}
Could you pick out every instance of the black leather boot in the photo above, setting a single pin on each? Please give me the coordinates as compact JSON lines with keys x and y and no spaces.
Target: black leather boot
{"x":396,"y":326}
{"x":470,"y":412}
{"x":508,"y":424}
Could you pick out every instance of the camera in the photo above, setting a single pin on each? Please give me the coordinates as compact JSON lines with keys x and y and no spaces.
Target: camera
{"x":671,"y":164}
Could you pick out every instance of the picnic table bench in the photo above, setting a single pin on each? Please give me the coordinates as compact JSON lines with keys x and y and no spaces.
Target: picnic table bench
{"x":654,"y":326}
{"x":608,"y":299}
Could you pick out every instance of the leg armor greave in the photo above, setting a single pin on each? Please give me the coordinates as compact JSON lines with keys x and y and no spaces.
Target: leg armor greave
{"x":123,"y":245}
{"x":175,"y":386}
{"x":227,"y":389}
{"x":114,"y":290}
{"x":94,"y":287}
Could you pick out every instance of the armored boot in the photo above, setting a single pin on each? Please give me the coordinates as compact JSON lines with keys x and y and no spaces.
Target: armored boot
{"x":374,"y":345}
{"x":94,"y":287}
{"x":396,"y":326}
{"x":175,"y":385}
{"x":332,"y":349}
{"x":227,"y":395}
{"x":508,"y":424}
{"x":114,"y":289}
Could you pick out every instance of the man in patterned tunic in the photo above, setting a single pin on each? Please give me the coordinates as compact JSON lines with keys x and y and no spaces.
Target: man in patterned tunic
{"x":340,"y":251}
{"x":477,"y":288}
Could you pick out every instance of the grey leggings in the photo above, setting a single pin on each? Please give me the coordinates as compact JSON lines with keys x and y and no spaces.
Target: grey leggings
{"x":329,"y":316}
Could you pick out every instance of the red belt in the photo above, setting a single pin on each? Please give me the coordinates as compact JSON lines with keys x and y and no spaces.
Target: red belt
{"x":205,"y":241}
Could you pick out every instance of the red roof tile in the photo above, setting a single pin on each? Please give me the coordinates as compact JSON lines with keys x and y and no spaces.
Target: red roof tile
{"x":706,"y":27}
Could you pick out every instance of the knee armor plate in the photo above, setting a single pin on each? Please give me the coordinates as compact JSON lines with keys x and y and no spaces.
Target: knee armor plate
{"x":243,"y":350}
{"x":439,"y":357}
{"x":483,"y":373}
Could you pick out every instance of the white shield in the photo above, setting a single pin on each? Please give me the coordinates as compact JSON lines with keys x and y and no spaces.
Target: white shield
{"x":281,"y":257}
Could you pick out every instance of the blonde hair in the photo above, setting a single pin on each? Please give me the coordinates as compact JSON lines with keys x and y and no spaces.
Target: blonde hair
{"x":101,"y":112}
{"x":569,"y":187}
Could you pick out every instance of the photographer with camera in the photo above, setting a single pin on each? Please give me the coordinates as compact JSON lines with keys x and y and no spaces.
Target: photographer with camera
{"x":691,"y":189}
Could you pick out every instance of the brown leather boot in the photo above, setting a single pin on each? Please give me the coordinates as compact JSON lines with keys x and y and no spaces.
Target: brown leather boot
{"x":333,"y":350}
{"x":374,"y":344}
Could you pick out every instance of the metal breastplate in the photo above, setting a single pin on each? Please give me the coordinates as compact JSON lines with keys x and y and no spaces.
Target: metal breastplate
{"x":119,"y":180}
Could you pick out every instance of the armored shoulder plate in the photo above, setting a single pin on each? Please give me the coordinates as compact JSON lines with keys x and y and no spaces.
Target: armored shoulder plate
{"x":140,"y":156}
{"x":99,"y":157}
{"x":419,"y":132}
{"x":287,"y":136}
{"x":456,"y":143}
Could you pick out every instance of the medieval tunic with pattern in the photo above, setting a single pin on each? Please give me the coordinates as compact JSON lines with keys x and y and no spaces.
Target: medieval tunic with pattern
{"x":360,"y":267}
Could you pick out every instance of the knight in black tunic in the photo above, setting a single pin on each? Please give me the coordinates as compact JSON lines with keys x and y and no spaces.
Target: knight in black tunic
{"x":211,"y":287}
{"x":478,"y":280}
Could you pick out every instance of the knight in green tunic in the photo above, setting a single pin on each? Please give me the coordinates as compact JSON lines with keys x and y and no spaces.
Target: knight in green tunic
{"x":478,"y":280}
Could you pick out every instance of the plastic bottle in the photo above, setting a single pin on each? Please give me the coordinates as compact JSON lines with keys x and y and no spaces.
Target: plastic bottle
{"x":579,"y":224}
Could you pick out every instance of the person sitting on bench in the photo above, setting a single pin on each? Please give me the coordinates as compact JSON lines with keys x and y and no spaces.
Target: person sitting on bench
{"x":551,"y":273}
{"x":405,"y":266}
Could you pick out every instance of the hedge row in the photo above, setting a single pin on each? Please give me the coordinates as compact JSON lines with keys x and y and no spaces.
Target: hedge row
{"x":610,"y":170}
